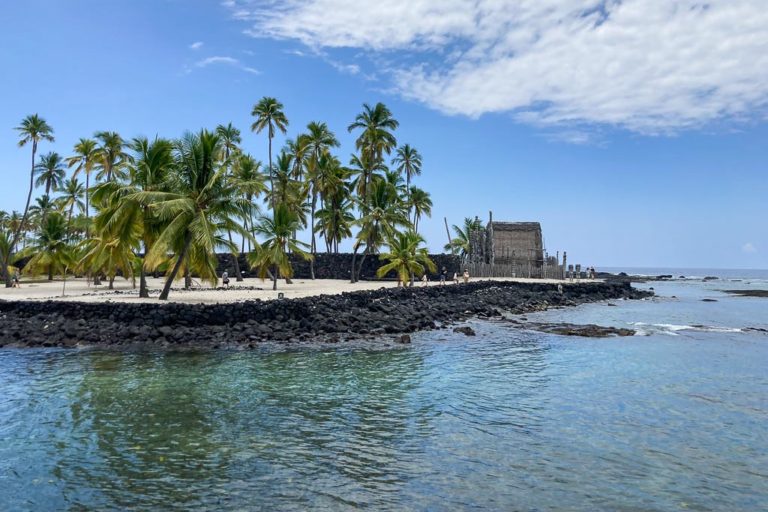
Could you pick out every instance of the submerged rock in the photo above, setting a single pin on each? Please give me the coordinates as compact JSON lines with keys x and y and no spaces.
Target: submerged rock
{"x":465,"y":330}
{"x":586,"y":331}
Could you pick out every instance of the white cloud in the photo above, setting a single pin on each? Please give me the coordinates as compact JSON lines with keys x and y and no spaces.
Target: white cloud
{"x":651,"y":66}
{"x":196,"y":45}
{"x":748,"y":248}
{"x":229,"y":61}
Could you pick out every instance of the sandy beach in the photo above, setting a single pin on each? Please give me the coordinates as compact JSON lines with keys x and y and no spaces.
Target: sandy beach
{"x":248,"y":289}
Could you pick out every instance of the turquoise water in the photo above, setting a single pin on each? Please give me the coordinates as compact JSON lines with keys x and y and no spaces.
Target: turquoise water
{"x":676,"y":419}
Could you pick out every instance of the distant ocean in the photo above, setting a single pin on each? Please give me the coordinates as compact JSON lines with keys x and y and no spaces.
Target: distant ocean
{"x":692,"y":273}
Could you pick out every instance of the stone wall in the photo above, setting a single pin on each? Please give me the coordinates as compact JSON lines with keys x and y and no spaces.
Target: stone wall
{"x":339,"y":266}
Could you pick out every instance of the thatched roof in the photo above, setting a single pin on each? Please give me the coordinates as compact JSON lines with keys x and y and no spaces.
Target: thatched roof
{"x":516,"y":226}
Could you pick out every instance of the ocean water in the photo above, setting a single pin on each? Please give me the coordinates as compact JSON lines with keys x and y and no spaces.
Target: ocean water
{"x":675,"y":418}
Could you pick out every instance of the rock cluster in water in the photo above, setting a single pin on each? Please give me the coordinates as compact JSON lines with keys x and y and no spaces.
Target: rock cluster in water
{"x":382,"y":314}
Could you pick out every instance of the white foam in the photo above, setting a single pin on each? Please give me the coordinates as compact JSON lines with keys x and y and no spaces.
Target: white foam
{"x":674,"y":329}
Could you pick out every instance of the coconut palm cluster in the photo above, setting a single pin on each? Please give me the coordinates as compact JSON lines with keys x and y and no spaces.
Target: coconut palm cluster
{"x":126,"y":208}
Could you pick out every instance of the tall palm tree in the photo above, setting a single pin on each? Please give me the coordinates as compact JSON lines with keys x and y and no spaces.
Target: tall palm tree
{"x":111,"y":155}
{"x":72,"y":193}
{"x":408,"y":162}
{"x":420,"y":203}
{"x":84,"y":161}
{"x":377,"y":125}
{"x":50,"y":172}
{"x":198,"y":209}
{"x":279,"y":241}
{"x":319,"y":141}
{"x":405,"y":257}
{"x":33,"y":129}
{"x":248,"y":181}
{"x":42,"y":207}
{"x":230,"y":138}
{"x":269,"y":114}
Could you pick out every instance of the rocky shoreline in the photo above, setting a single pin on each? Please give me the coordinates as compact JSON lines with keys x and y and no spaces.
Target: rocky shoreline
{"x":386,"y":314}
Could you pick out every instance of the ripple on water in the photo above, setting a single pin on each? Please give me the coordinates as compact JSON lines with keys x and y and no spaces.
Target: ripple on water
{"x":505,"y":420}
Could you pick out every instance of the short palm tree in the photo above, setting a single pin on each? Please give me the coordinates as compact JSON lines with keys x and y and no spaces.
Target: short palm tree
{"x":405,"y":257}
{"x":248,"y":181}
{"x":33,"y":129}
{"x":463,"y":235}
{"x":49,"y":251}
{"x":269,"y":114}
{"x":279,"y":240}
{"x":199,"y":208}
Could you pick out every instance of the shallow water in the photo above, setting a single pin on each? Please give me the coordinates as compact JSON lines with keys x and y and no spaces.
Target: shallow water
{"x":508,"y":420}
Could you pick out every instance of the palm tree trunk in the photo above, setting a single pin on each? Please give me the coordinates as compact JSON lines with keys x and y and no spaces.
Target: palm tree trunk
{"x":50,"y":272}
{"x":235,"y":256}
{"x":143,"y":290}
{"x":274,"y":277}
{"x":354,"y":256}
{"x":111,"y":282}
{"x":187,"y":278}
{"x":176,"y":267}
{"x":271,"y":180}
{"x":16,"y":233}
{"x":362,"y":260}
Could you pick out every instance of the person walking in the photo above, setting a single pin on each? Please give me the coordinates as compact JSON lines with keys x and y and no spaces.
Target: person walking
{"x":225,"y":279}
{"x":466,"y":275}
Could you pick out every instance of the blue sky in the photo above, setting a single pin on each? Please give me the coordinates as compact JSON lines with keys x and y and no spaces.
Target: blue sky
{"x":635,"y":132}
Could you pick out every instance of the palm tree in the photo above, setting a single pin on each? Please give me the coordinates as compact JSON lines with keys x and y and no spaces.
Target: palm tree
{"x":198,"y":208}
{"x":230,"y":138}
{"x":420,"y":203}
{"x":319,"y":140}
{"x":248,"y":181}
{"x":126,"y":219}
{"x":273,"y":252}
{"x":42,"y":207}
{"x":111,"y":155}
{"x":49,"y":250}
{"x":50,"y":172}
{"x":269,"y":114}
{"x":463,"y":236}
{"x":84,"y":158}
{"x":72,"y":196}
{"x":32,"y":129}
{"x":376,"y":124}
{"x":365,"y":172}
{"x":408,"y":162}
{"x":405,"y":257}
{"x":379,"y":222}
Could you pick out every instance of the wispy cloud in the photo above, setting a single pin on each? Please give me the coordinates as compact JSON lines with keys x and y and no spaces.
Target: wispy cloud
{"x":229,"y":61}
{"x":649,"y":66}
{"x":196,"y":45}
{"x":748,"y":248}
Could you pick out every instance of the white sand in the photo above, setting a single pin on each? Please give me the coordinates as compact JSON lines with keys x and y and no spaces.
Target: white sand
{"x":78,"y":289}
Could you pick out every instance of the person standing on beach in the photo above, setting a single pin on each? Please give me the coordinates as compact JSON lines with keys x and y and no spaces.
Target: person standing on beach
{"x":443,"y":276}
{"x":424,"y":279}
{"x":466,"y":275}
{"x":16,"y":283}
{"x":225,"y":279}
